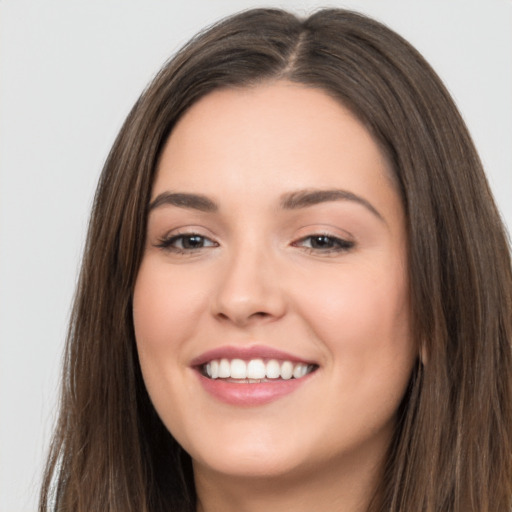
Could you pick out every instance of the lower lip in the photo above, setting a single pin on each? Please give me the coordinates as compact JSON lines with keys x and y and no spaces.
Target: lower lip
{"x":245,"y":394}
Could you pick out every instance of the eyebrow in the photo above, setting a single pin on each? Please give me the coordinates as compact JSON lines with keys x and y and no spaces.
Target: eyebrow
{"x":305,"y":198}
{"x":183,"y":200}
{"x":289,"y":201}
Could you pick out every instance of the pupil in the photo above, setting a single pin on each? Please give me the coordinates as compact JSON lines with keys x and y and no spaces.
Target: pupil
{"x":321,"y":242}
{"x":192,"y":242}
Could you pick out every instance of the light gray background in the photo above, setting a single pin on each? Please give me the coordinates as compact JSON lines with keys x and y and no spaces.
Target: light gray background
{"x":70,"y":71}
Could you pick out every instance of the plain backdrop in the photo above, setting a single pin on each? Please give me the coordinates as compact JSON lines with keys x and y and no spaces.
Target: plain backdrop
{"x":69,"y":73}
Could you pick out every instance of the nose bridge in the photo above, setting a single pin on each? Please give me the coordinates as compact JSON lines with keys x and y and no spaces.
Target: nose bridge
{"x":248,"y":287}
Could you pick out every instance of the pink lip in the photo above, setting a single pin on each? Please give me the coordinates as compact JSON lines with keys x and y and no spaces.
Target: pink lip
{"x":250,"y":394}
{"x":246,"y":353}
{"x":244,"y":394}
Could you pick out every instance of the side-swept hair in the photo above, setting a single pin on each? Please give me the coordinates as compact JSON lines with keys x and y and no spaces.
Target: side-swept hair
{"x":452,"y":446}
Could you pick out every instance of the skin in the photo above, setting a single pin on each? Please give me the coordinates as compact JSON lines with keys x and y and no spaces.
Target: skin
{"x":257,"y":278}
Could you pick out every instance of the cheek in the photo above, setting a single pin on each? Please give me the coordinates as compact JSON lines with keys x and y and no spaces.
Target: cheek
{"x":363,"y":322}
{"x":165,"y":314}
{"x":362,"y":315}
{"x":165,"y":307}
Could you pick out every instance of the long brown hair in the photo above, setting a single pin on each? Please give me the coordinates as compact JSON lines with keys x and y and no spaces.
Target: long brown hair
{"x":452,"y":446}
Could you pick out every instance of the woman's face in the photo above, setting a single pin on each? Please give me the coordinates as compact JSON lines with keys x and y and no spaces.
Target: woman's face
{"x":275,"y":247}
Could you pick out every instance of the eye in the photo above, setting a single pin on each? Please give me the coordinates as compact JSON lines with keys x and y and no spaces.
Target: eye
{"x":186,"y":242}
{"x":324,"y":243}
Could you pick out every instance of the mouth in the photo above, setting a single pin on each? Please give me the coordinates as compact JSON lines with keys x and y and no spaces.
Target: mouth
{"x":255,"y":371}
{"x":252,"y":375}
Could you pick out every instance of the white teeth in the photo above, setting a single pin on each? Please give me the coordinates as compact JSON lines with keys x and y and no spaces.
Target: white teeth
{"x":255,"y":370}
{"x":299,"y":371}
{"x":224,"y":369}
{"x":286,"y":370}
{"x":238,"y":369}
{"x":214,"y":368}
{"x":273,"y":369}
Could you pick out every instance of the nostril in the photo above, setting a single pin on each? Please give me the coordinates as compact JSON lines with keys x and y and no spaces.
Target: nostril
{"x":243,"y":319}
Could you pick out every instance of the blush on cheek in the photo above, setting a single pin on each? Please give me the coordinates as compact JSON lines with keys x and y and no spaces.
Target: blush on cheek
{"x":360,"y":314}
{"x":167,"y":307}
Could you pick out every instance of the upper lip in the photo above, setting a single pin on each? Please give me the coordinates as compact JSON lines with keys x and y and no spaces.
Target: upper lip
{"x":247,"y":353}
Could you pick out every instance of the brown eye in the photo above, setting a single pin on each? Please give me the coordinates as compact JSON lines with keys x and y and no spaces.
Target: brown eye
{"x":324,"y":243}
{"x":192,"y":242}
{"x":186,"y":242}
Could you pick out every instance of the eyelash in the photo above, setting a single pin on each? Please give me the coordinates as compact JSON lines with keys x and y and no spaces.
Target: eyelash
{"x":335,"y":244}
{"x":167,"y":243}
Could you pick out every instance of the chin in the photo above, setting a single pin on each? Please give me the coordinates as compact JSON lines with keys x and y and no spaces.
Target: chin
{"x":250,"y":460}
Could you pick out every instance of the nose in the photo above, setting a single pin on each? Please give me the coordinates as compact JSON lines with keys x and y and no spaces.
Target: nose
{"x":249,"y":288}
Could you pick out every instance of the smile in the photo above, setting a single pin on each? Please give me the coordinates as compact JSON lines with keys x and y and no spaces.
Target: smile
{"x":255,"y":371}
{"x":251,"y":376}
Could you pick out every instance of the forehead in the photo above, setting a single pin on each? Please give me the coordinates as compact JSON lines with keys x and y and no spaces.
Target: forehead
{"x":269,"y":139}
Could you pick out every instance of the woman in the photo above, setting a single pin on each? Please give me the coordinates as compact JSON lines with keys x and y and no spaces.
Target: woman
{"x":296,"y":289}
